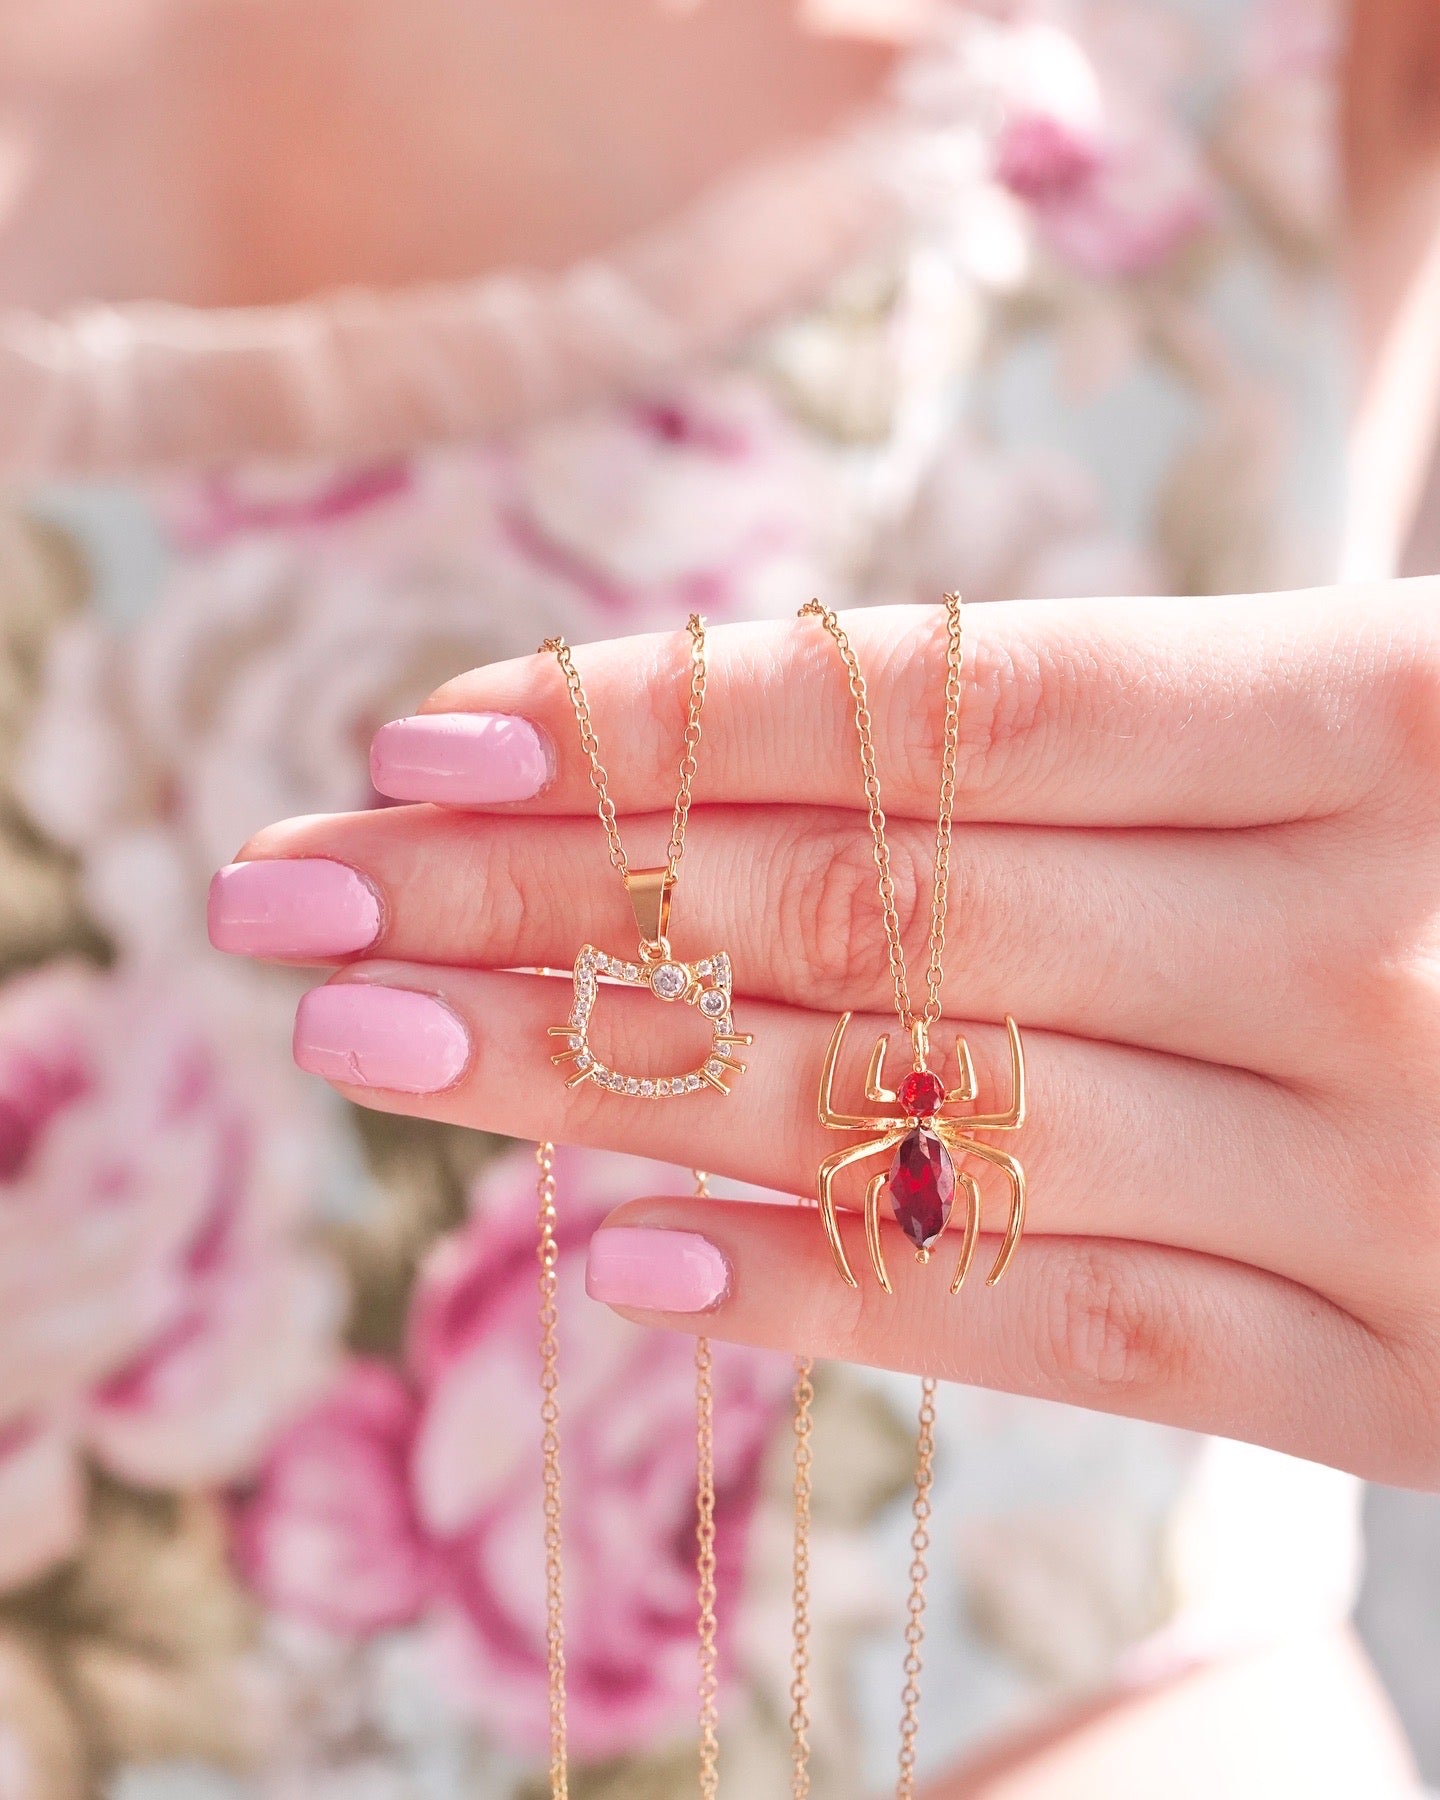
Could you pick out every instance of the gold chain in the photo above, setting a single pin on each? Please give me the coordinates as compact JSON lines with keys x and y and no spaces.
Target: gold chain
{"x":865,"y":731}
{"x":705,"y":1553}
{"x":909,"y":1019}
{"x":549,"y":1256}
{"x":599,"y":775}
{"x":919,"y":1574}
{"x":800,"y":1586}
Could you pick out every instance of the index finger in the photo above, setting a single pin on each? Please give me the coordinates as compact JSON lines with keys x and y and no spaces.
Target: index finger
{"x":1241,"y":711}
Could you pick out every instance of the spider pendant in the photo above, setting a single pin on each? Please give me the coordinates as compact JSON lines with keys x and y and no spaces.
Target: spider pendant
{"x":926,"y":1147}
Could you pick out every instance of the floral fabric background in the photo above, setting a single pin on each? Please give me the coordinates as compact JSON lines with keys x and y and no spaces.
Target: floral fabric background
{"x":269,"y":1497}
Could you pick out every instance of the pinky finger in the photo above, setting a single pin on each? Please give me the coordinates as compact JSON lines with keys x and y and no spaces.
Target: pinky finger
{"x":1156,"y":1333}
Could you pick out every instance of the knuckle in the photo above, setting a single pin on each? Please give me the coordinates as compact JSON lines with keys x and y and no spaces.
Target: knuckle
{"x":832,"y":918}
{"x":1010,"y":701}
{"x":1102,"y":1336}
{"x":1011,"y":696}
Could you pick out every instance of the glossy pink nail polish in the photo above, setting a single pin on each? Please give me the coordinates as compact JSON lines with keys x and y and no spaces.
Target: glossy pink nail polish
{"x":360,"y":1034}
{"x":298,"y":907}
{"x":653,"y":1270}
{"x":461,"y":759}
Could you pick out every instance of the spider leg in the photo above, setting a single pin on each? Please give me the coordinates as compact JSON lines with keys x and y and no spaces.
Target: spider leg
{"x":825,"y":1181}
{"x":959,"y":1146}
{"x":1014,"y":1118}
{"x":829,"y":1118}
{"x":967,"y":1089}
{"x":872,"y":1229}
{"x":972,"y":1228}
{"x":874,"y":1075}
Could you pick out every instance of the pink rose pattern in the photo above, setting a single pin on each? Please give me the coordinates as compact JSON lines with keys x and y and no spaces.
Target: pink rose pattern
{"x":160,"y":1316}
{"x":412,"y":1494}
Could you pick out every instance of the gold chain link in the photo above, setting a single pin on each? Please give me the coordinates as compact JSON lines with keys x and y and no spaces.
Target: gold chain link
{"x":705,"y":1568}
{"x":800,"y":1586}
{"x":705,"y":1553}
{"x":919,"y":1574}
{"x":549,"y":1256}
{"x":599,"y":775}
{"x":865,"y":731}
{"x":934,"y":977}
{"x":709,"y":1683}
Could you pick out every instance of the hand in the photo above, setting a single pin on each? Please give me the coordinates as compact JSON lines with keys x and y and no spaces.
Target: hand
{"x":1197,"y":856}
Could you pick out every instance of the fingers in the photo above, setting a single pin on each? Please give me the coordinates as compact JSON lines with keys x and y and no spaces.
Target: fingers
{"x":1102,"y":712}
{"x":1117,"y":1143}
{"x":1154,"y":1333}
{"x":1153,"y":925}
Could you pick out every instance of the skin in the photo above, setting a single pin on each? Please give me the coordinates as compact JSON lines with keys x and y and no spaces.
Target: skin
{"x":1232,"y":810}
{"x":1198,"y":857}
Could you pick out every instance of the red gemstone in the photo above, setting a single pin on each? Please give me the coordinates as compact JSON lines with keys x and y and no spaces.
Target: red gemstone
{"x":921,"y":1094}
{"x":922,"y":1186}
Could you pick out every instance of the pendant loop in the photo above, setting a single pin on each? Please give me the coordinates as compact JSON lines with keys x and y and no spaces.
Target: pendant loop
{"x":650,"y":891}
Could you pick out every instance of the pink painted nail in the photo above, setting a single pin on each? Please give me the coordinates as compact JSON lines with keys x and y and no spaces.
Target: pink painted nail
{"x":300,"y":906}
{"x":360,"y":1034}
{"x":654,"y":1270}
{"x":461,"y":759}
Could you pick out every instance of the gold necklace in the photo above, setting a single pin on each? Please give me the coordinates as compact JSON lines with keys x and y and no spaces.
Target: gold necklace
{"x":925,"y":1146}
{"x":705,"y":984}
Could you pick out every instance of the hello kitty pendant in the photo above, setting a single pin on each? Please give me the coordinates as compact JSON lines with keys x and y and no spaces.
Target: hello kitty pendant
{"x":704,"y":984}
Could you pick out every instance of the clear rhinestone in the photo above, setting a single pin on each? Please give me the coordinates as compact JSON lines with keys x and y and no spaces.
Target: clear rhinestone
{"x":576,"y":1043}
{"x":692,"y":1082}
{"x":712,"y":1003}
{"x":630,"y":972}
{"x":714,"y":1068}
{"x":668,"y":980}
{"x":583,"y":1060}
{"x":647,"y":1090}
{"x":617,"y":1083}
{"x":632,"y":1086}
{"x":602,"y":962}
{"x":704,"y":968}
{"x":662,"y":1087}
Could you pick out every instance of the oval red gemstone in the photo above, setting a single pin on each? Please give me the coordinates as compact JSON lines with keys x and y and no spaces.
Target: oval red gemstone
{"x":922,"y":1186}
{"x":921,"y":1094}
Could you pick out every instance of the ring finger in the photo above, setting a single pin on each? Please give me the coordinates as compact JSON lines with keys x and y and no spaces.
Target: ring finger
{"x":1120,"y":1142}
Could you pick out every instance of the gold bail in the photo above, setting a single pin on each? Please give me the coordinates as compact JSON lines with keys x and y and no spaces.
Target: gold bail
{"x":920,"y":1041}
{"x":650,"y":891}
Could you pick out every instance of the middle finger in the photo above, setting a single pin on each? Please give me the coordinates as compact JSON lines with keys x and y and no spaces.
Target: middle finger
{"x":1142,"y":929}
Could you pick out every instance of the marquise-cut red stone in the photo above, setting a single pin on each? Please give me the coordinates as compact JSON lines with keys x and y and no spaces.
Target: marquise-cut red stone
{"x":921,"y":1093}
{"x":922,"y":1186}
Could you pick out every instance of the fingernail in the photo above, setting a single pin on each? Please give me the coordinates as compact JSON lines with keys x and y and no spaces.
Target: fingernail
{"x":300,"y":906}
{"x":360,"y":1034}
{"x":655,"y":1271}
{"x":461,"y":759}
